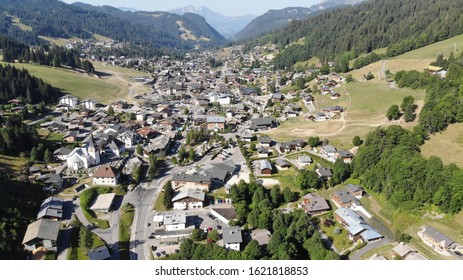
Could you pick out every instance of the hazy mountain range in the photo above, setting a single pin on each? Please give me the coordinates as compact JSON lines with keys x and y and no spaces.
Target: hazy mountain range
{"x":225,"y":25}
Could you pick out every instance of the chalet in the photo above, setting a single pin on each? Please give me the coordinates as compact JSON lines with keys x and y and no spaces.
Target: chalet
{"x":313,"y":204}
{"x":304,"y":160}
{"x":355,"y":190}
{"x":120,"y":105}
{"x":188,"y":199}
{"x":147,"y":132}
{"x":329,"y":150}
{"x":42,"y":233}
{"x":295,"y":145}
{"x":262,"y":123}
{"x":69,"y":100}
{"x":116,"y":147}
{"x":215,"y":123}
{"x":406,"y":252}
{"x":265,"y":141}
{"x":232,"y":238}
{"x":62,"y":153}
{"x":103,"y":203}
{"x":88,"y":104}
{"x":52,"y":181}
{"x":344,"y":198}
{"x":265,"y":167}
{"x":334,"y":95}
{"x":105,"y":175}
{"x":175,"y":221}
{"x":51,"y":208}
{"x":282,"y":164}
{"x":220,"y":172}
{"x":129,"y":138}
{"x":246,"y":137}
{"x":356,"y":227}
{"x":263,"y":152}
{"x":436,"y":240}
{"x":183,"y":181}
{"x":324,"y":173}
{"x":320,"y":117}
{"x":346,"y":156}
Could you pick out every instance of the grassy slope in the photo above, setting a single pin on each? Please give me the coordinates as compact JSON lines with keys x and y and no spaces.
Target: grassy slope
{"x":366,"y":103}
{"x":112,"y":86}
{"x":369,"y":100}
{"x":447,"y":145}
{"x":126,"y":220}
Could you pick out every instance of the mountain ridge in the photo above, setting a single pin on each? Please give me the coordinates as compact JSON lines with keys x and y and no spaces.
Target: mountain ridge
{"x":225,"y":25}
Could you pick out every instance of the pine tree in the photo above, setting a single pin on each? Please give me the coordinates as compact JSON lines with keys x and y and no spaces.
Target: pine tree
{"x":48,"y":157}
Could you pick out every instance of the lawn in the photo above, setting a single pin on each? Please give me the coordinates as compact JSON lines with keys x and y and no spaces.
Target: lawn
{"x":159,"y":203}
{"x":12,"y":163}
{"x":341,"y":241}
{"x":366,"y":104}
{"x":385,"y":251}
{"x":126,"y":219}
{"x":447,"y":145}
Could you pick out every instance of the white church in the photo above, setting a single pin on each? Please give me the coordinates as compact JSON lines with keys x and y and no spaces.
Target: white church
{"x":84,"y":157}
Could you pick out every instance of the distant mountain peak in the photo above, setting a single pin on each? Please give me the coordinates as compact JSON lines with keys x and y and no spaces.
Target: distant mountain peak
{"x":225,"y":25}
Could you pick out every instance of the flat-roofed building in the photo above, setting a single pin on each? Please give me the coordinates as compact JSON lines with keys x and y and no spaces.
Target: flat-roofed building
{"x":103,"y":203}
{"x":175,"y":221}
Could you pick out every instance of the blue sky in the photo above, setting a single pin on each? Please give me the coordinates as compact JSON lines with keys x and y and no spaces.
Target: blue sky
{"x":224,"y":7}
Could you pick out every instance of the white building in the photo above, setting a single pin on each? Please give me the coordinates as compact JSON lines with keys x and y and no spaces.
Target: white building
{"x":105,"y":175}
{"x":175,"y":221}
{"x":88,"y":104}
{"x":188,"y":199}
{"x":69,"y":100}
{"x":103,"y":203}
{"x":84,"y":157}
{"x":129,"y":138}
{"x":232,"y":238}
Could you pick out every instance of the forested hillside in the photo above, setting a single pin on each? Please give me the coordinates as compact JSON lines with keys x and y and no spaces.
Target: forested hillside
{"x":44,"y":55}
{"x":390,"y":162}
{"x":18,"y":83}
{"x":54,"y":18}
{"x":400,"y":25}
{"x":19,"y":203}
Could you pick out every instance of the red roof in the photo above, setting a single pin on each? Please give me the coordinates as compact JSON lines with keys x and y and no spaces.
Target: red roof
{"x":104,"y":171}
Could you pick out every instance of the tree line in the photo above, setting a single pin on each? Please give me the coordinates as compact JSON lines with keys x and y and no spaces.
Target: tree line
{"x":399,"y":25}
{"x":18,"y":83}
{"x":19,"y":203}
{"x":44,"y":55}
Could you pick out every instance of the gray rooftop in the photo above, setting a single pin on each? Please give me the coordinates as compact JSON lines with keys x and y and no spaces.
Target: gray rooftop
{"x":42,"y":229}
{"x":329,"y":149}
{"x":215,"y":119}
{"x":232,"y":235}
{"x":196,"y":178}
{"x":175,"y":218}
{"x":103,"y":201}
{"x":100,"y":253}
{"x":345,"y":196}
{"x":228,"y":213}
{"x":305,"y":159}
{"x":198,"y":195}
{"x":265,"y":164}
{"x":438,"y":237}
{"x":51,"y":207}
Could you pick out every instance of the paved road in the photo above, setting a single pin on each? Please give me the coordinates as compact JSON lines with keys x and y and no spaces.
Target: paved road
{"x":370,"y":246}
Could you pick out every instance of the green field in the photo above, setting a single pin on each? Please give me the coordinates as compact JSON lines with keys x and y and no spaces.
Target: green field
{"x":447,"y":145}
{"x":366,"y":105}
{"x":126,"y":219}
{"x":12,"y":163}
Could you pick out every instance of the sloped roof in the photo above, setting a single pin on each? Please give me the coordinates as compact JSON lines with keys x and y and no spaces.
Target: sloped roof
{"x":265,"y":164}
{"x":197,"y":178}
{"x":42,"y":229}
{"x":199,"y":195}
{"x":52,"y":207}
{"x":232,"y":235}
{"x":104,"y":171}
{"x":438,"y":237}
